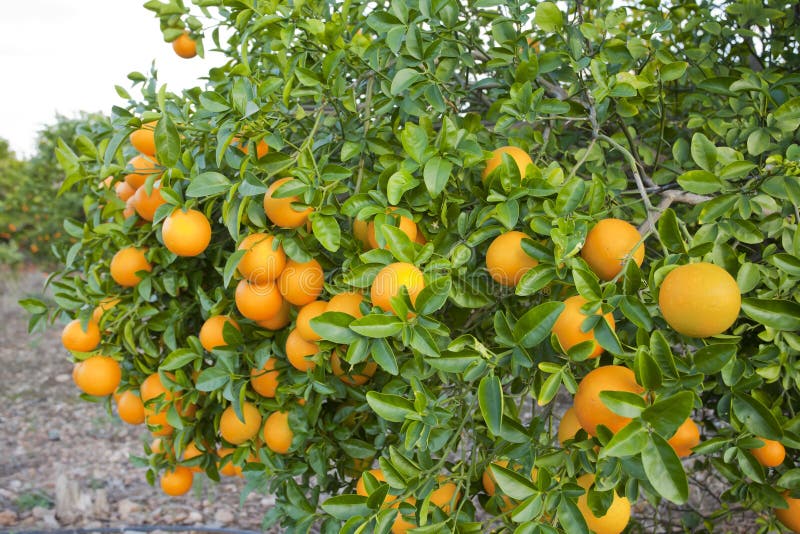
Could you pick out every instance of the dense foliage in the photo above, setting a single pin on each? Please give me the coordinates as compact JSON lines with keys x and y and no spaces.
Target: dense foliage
{"x":678,"y":117}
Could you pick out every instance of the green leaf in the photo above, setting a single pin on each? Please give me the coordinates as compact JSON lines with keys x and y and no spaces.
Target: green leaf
{"x":630,"y":440}
{"x":437,"y":173}
{"x":758,"y":141}
{"x":212,"y":379}
{"x":712,"y":358}
{"x":177,"y":359}
{"x":570,"y":517}
{"x":756,"y":417}
{"x":537,"y":323}
{"x":490,"y":399}
{"x":777,"y":314}
{"x":512,"y":483}
{"x":414,"y":140}
{"x":634,"y":310}
{"x":623,"y":403}
{"x":535,"y":279}
{"x":704,"y":153}
{"x":669,"y":231}
{"x":377,"y":326}
{"x":664,"y":470}
{"x":334,"y":326}
{"x":548,"y":17}
{"x":787,"y":116}
{"x":404,"y":79}
{"x":343,"y":507}
{"x":673,"y":71}
{"x":390,"y":407}
{"x":699,"y":182}
{"x":648,"y":374}
{"x":327,"y":231}
{"x":433,"y":296}
{"x":668,"y":413}
{"x":207,"y":184}
{"x":168,"y":141}
{"x":398,"y":184}
{"x":384,"y":356}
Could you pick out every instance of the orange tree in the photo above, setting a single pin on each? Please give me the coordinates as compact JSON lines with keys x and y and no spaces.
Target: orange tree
{"x":383,"y":237}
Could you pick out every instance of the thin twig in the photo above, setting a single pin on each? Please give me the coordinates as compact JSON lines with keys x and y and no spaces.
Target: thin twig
{"x":667,"y":199}
{"x":582,"y":160}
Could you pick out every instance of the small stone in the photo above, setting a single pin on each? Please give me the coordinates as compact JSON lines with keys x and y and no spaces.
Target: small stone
{"x":53,"y":435}
{"x":62,"y":378}
{"x":39,"y":512}
{"x":195,"y":517}
{"x":7,"y":518}
{"x":15,"y":485}
{"x":126,"y":508}
{"x":223,"y":516}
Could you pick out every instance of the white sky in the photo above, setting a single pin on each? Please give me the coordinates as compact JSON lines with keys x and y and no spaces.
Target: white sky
{"x":66,"y":56}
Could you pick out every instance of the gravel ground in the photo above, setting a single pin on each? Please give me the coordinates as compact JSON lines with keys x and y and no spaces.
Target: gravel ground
{"x":52,"y":439}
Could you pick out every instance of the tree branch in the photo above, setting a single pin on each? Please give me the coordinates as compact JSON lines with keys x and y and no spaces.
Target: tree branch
{"x":667,"y":199}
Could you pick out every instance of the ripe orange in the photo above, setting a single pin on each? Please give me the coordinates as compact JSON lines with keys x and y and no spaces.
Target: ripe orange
{"x":304,"y":316}
{"x":258,"y":301}
{"x":348,"y":302}
{"x":281,"y":319}
{"x":297,"y":349}
{"x":568,"y":326}
{"x":124,"y":191}
{"x":790,"y":517}
{"x":568,"y":426}
{"x":129,"y":210}
{"x":186,"y":233}
{"x":686,"y":437}
{"x":301,"y":283}
{"x":151,"y":388}
{"x":185,"y":46}
{"x":229,"y":469}
{"x":280,"y":211}
{"x":445,"y":495}
{"x":699,"y":299}
{"x":98,"y":375}
{"x":616,"y":517}
{"x":278,"y":434}
{"x":361,"y":487}
{"x":390,"y":279}
{"x":177,"y":481}
{"x":505,"y":259}
{"x":211,"y":331}
{"x":265,"y":380}
{"x":146,"y":205}
{"x":144,"y":139}
{"x":262,"y":148}
{"x":143,"y":167}
{"x":262,"y":262}
{"x":75,"y":338}
{"x":490,"y":485}
{"x":126,"y":263}
{"x":361,"y":231}
{"x":590,"y":409}
{"x":521,"y":158}
{"x":406,"y":225}
{"x":234,"y":430}
{"x":357,"y":375}
{"x":608,"y":244}
{"x":156,"y":446}
{"x":130,"y":408}
{"x":770,"y":454}
{"x":191,"y":451}
{"x":102,"y":307}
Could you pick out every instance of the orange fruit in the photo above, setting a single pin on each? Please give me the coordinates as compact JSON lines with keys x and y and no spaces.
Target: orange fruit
{"x":347,"y":302}
{"x":146,"y":205}
{"x":280,"y":210}
{"x":278,"y":434}
{"x":75,"y":338}
{"x":157,"y":446}
{"x":265,"y":380}
{"x":236,"y":431}
{"x":616,"y":517}
{"x":124,"y":191}
{"x":490,"y":485}
{"x":130,"y":408}
{"x":262,"y":262}
{"x":406,"y":225}
{"x":185,"y":46}
{"x":361,"y":231}
{"x":211,"y":332}
{"x":607,"y":246}
{"x":126,"y":263}
{"x":177,"y":481}
{"x":353,"y":377}
{"x":281,"y":319}
{"x":105,"y":184}
{"x":102,"y":307}
{"x":229,"y":469}
{"x":98,"y":375}
{"x":144,"y":139}
{"x":770,"y":454}
{"x":568,"y":426}
{"x":699,"y":299}
{"x":186,"y":233}
{"x":301,"y":283}
{"x":304,"y":316}
{"x":151,"y":388}
{"x":361,"y":487}
{"x":568,"y":326}
{"x":143,"y":167}
{"x":445,"y":495}
{"x":686,"y":437}
{"x":297,"y":349}
{"x":790,"y":517}
{"x":401,"y":525}
{"x":390,"y":279}
{"x":505,"y":259}
{"x":590,"y":409}
{"x":129,"y":210}
{"x":521,"y":158}
{"x":262,"y":148}
{"x":258,"y":301}
{"x":191,"y":451}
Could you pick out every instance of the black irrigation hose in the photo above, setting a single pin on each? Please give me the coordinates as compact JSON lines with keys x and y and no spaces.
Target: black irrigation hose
{"x":139,"y":528}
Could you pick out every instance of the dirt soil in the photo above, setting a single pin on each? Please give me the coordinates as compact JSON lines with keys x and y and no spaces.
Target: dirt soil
{"x":65,"y":462}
